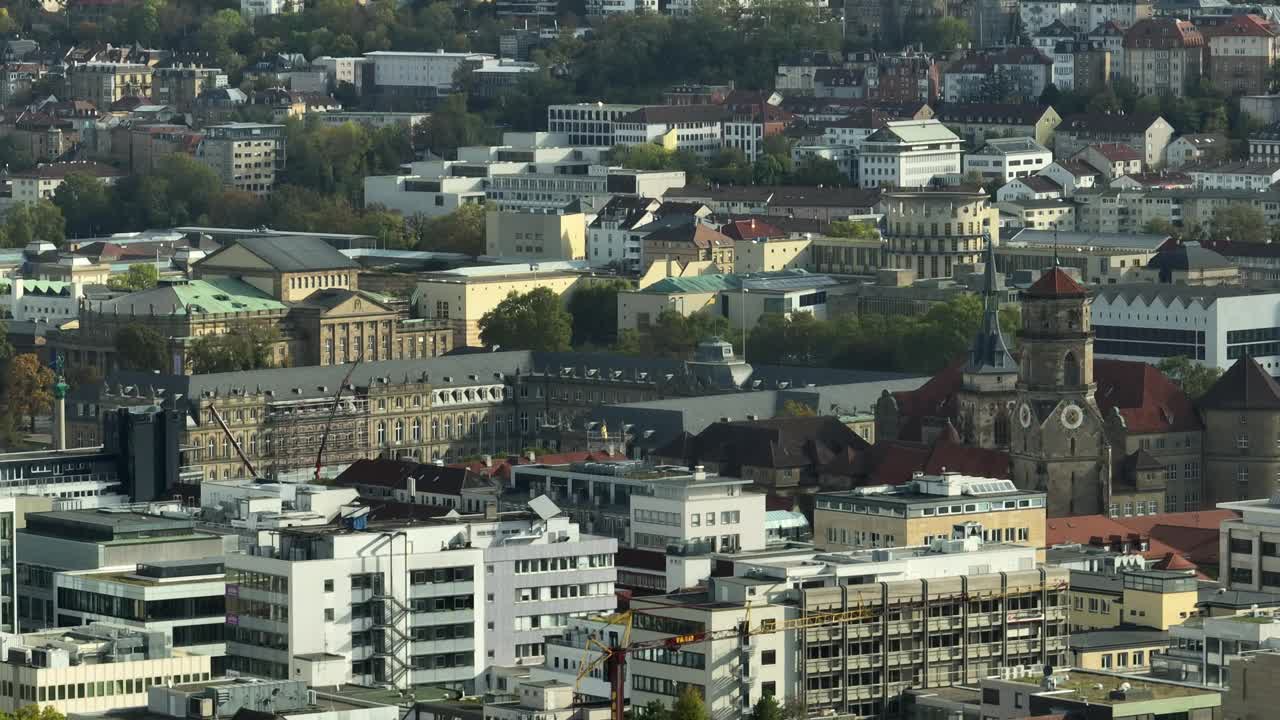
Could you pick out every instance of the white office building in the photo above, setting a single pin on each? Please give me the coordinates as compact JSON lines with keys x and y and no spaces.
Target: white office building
{"x":908,"y":153}
{"x":529,"y":171}
{"x":1003,"y":159}
{"x":254,"y":9}
{"x":184,"y":599}
{"x":421,"y":74}
{"x":434,"y":602}
{"x":1212,"y":325}
{"x":651,"y":507}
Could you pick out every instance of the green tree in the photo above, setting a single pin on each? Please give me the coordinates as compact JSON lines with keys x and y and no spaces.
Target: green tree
{"x":689,"y":706}
{"x":1241,"y":223}
{"x":461,"y":231}
{"x":1194,"y":378}
{"x":140,"y":276}
{"x":249,"y":347}
{"x":1159,"y":226}
{"x":40,"y":221}
{"x":85,"y":204}
{"x":535,"y":320}
{"x":767,"y":707}
{"x":142,"y":348}
{"x":594,"y":308}
{"x":854,"y":229}
{"x":28,"y":387}
{"x":653,"y":710}
{"x":819,"y":171}
{"x":946,"y":34}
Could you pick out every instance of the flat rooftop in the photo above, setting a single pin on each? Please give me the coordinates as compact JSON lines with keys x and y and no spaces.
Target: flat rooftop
{"x":1083,"y":685}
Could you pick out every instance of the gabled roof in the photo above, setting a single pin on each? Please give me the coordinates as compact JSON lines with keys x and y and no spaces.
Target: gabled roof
{"x":694,"y":233}
{"x":1245,"y":386}
{"x":1241,"y":26}
{"x":750,"y":229}
{"x":1148,"y":401}
{"x":1116,"y":152}
{"x":775,"y":443}
{"x":1055,"y":283}
{"x":394,"y":474}
{"x":1165,"y":32}
{"x":1109,"y":123}
{"x":292,"y":253}
{"x":1039,"y":183}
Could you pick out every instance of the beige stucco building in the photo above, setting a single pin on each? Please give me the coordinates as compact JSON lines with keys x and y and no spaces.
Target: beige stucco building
{"x":536,"y":235}
{"x":103,"y":83}
{"x":933,"y":231}
{"x":459,"y":298}
{"x":930,"y":508}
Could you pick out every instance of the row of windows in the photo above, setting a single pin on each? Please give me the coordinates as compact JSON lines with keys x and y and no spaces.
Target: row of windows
{"x":100,"y":688}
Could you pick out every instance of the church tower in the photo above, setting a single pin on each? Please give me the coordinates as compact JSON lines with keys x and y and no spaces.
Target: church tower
{"x":986,"y":400}
{"x":1058,"y":442}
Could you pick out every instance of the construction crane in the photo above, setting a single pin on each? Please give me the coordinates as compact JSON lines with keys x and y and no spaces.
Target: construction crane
{"x":333,"y":411}
{"x":234,"y":443}
{"x":613,"y":658}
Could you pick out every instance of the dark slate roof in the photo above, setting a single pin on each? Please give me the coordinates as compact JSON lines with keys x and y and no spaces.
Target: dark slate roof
{"x":1214,"y":595}
{"x":787,"y":442}
{"x":1245,"y":386}
{"x":1102,"y":122}
{"x":394,"y":474}
{"x":1097,"y":582}
{"x":1117,"y":638}
{"x":295,"y":253}
{"x":1184,"y":257}
{"x":989,"y":353}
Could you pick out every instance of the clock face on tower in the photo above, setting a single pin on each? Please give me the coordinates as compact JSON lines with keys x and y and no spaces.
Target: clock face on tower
{"x":1072,"y":416}
{"x":1024,"y":415}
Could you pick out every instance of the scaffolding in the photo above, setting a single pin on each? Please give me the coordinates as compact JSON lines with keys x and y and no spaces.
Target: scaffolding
{"x":293,"y":431}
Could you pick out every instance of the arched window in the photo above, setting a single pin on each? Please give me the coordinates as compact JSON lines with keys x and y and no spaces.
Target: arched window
{"x":1073,"y":446}
{"x":399,"y":431}
{"x":1002,"y":429}
{"x":1070,"y":370}
{"x":474,"y":421}
{"x":435,"y":428}
{"x":415,"y":430}
{"x":448,"y":428}
{"x":382,"y":433}
{"x":253,"y":444}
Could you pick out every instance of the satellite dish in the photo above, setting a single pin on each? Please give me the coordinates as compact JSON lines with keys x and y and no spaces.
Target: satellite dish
{"x":544,"y":506}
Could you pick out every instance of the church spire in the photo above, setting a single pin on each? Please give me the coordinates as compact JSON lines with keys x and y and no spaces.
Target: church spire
{"x":990,"y":353}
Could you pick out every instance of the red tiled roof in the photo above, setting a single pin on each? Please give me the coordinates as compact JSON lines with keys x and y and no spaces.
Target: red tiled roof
{"x":1193,"y":535}
{"x":894,"y":462}
{"x":1056,"y":283}
{"x":751,"y":230}
{"x":1115,"y":152}
{"x":1148,"y":401}
{"x":1175,"y":561}
{"x":1241,"y":26}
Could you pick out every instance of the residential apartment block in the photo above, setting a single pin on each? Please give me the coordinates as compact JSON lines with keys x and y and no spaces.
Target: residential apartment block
{"x":1164,"y":56}
{"x":934,"y":231}
{"x":245,"y":156}
{"x":103,"y":83}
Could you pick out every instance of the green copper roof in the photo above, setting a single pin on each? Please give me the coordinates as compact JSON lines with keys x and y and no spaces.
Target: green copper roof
{"x":205,"y":297}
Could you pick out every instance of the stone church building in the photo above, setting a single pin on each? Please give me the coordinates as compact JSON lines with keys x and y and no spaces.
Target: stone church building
{"x":1099,"y":436}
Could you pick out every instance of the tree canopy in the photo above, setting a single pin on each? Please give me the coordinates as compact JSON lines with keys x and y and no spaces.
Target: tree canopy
{"x":250,"y":347}
{"x":140,"y":276}
{"x":1194,"y":378}
{"x":535,"y":320}
{"x":142,"y":348}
